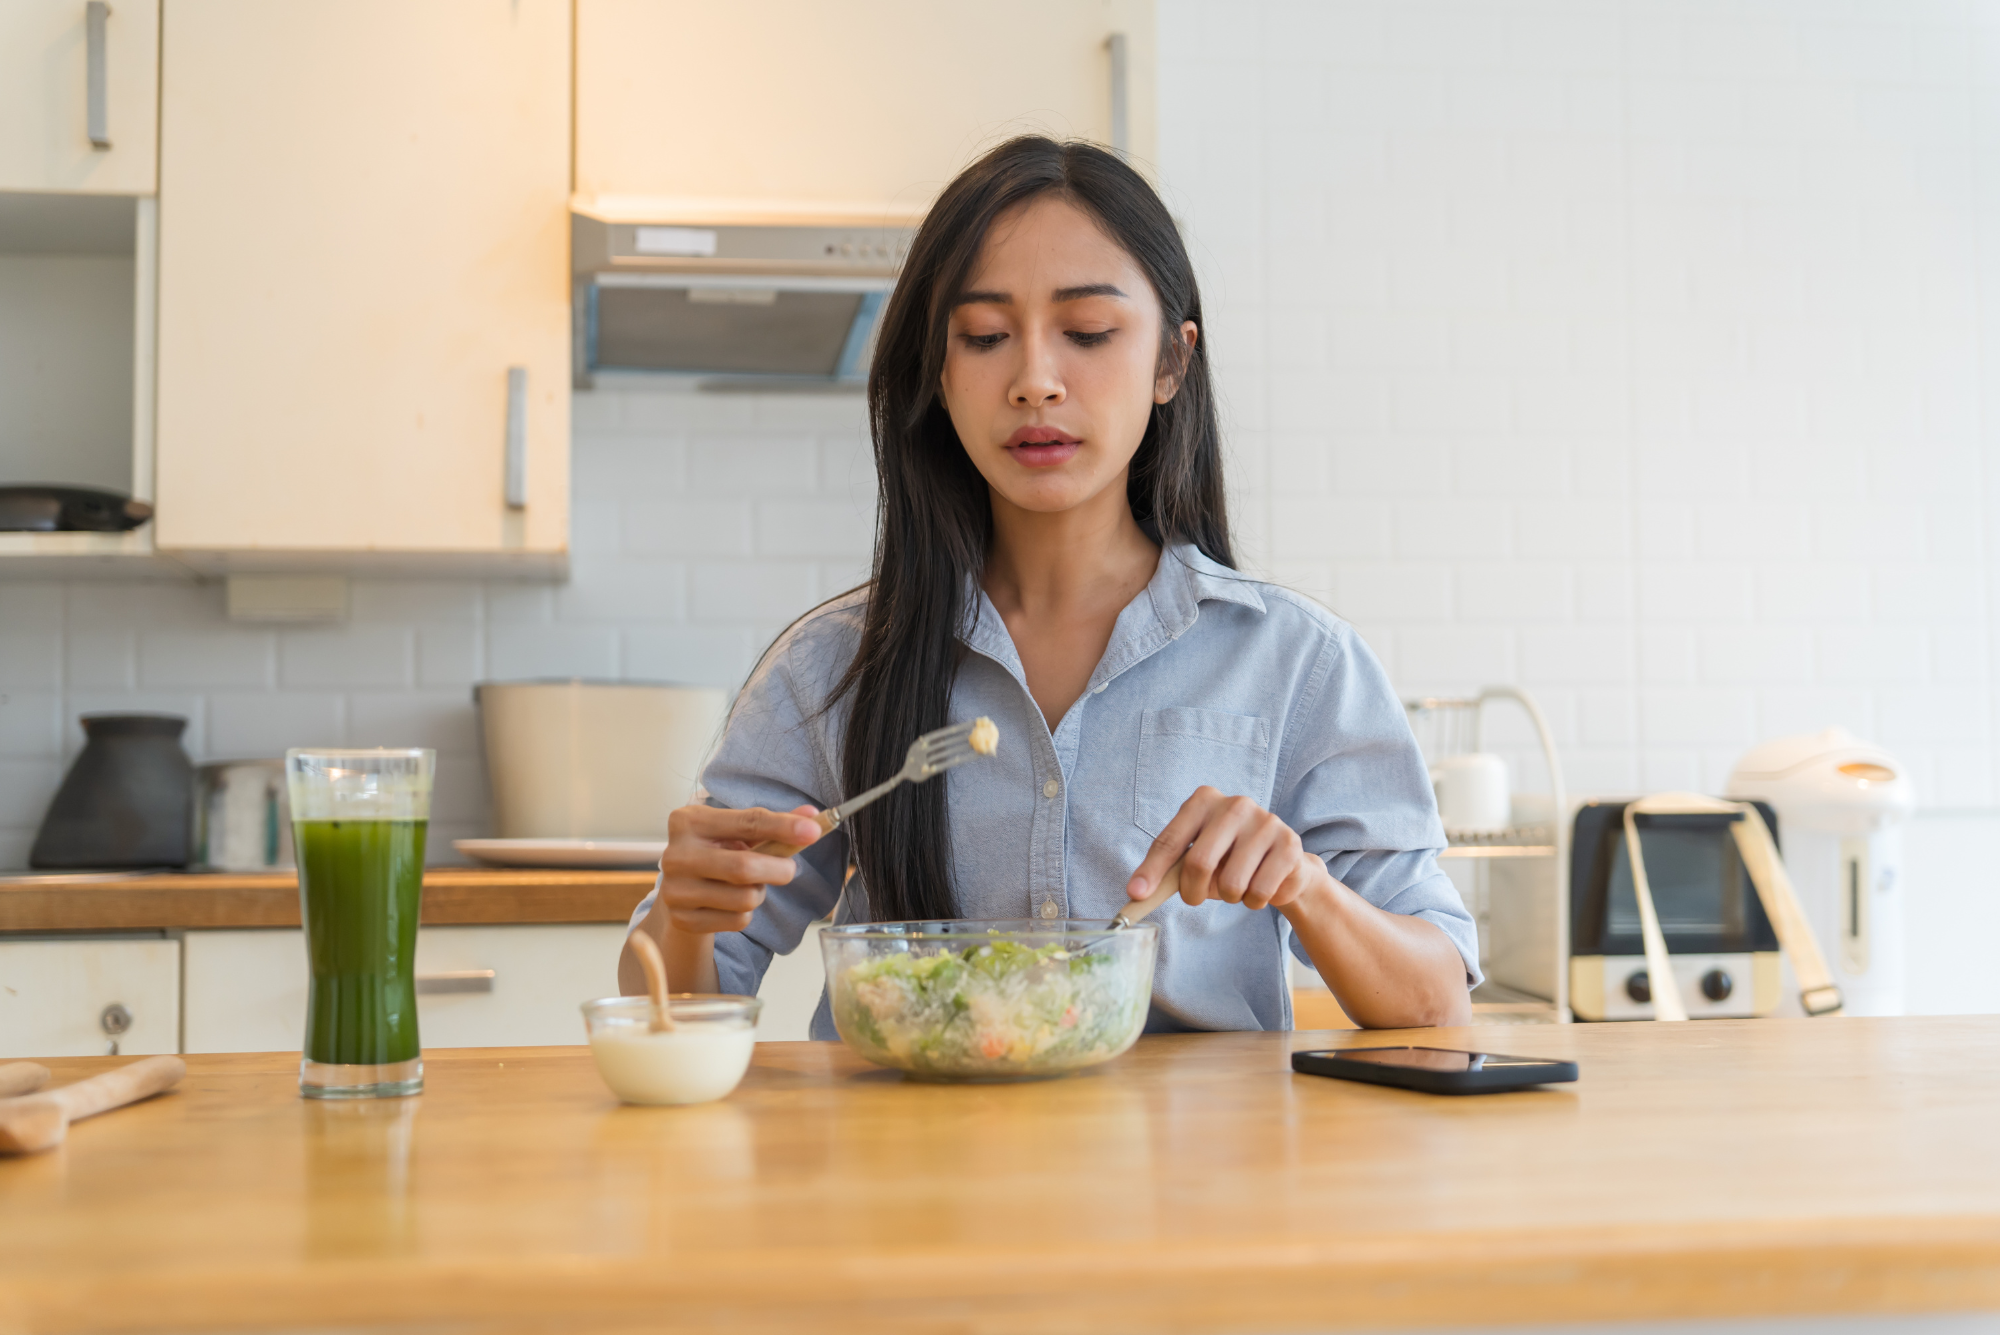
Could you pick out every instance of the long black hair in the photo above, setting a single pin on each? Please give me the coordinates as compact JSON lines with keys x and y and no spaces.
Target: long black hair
{"x":935,"y":520}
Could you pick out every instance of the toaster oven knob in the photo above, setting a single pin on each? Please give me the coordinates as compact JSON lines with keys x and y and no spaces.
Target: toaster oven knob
{"x":1716,"y":985}
{"x":1639,"y":987}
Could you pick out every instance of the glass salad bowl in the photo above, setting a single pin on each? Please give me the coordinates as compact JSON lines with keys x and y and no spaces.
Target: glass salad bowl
{"x":1006,"y":999}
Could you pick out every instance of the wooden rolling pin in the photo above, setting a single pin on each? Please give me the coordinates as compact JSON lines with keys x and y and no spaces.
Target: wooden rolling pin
{"x":36,"y":1122}
{"x":21,"y":1078}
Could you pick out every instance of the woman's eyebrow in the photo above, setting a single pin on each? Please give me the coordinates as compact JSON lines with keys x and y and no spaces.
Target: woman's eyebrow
{"x":1062,"y":294}
{"x":1088,"y":290}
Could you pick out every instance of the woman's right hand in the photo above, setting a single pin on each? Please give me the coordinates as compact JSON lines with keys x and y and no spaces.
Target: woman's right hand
{"x":710,"y":881}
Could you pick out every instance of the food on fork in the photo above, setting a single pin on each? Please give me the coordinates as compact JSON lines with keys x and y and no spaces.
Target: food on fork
{"x":984,"y":737}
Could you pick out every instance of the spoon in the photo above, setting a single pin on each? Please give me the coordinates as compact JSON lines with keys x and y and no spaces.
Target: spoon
{"x":34,"y":1122}
{"x":22,"y":1078}
{"x":656,"y":982}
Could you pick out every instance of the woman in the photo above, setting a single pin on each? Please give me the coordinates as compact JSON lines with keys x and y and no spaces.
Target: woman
{"x":1053,"y":552}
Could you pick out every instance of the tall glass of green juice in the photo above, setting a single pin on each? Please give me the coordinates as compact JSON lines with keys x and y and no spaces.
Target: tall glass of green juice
{"x":358,"y":822}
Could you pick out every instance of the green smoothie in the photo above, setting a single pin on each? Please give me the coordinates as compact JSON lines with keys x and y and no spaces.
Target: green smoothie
{"x":360,"y":887}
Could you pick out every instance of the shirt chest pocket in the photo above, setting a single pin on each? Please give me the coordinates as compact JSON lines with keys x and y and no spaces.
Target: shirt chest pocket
{"x":1182,"y":749}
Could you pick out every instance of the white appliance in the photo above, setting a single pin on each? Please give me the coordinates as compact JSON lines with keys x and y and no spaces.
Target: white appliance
{"x":594,"y":760}
{"x":1841,"y":804}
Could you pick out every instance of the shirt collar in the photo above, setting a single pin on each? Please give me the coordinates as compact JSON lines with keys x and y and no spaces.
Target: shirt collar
{"x":1186,"y":579}
{"x":1169,"y":605}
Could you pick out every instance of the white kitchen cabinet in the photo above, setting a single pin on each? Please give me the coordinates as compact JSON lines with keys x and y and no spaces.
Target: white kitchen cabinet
{"x":541,"y":974}
{"x":791,"y":991}
{"x":798,"y":106}
{"x":364,"y":293}
{"x":514,"y":986}
{"x":50,"y":77}
{"x":78,"y":996}
{"x":245,"y":991}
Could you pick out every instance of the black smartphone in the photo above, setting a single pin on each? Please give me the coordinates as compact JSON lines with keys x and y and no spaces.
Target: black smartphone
{"x":1434,"y":1070}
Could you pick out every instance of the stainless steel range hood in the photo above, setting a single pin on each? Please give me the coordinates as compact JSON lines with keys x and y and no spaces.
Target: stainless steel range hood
{"x":743,"y":305}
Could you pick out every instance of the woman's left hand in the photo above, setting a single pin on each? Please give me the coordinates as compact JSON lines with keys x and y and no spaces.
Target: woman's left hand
{"x":1387,"y":970}
{"x":1234,"y":851}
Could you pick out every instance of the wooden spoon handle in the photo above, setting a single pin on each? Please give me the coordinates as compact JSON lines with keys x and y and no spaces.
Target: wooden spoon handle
{"x":774,"y":848}
{"x":1169,"y":886}
{"x":114,"y":1089}
{"x":655,"y":965}
{"x":22,"y":1078}
{"x":41,"y":1121}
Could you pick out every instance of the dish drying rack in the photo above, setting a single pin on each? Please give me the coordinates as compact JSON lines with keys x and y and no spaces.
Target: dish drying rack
{"x":1515,"y":880}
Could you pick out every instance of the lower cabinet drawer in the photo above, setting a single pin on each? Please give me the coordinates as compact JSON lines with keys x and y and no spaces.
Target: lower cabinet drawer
{"x":477,"y":986}
{"x":245,"y":991}
{"x":540,"y":975}
{"x":78,"y":997}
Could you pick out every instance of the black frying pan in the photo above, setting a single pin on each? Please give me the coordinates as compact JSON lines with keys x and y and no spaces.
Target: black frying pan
{"x":48,"y":509}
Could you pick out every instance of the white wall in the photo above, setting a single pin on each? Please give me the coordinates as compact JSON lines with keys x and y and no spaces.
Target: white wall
{"x":1633,"y":351}
{"x":1630,"y":350}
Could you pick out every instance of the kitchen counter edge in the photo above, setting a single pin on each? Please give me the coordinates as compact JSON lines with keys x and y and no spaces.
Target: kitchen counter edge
{"x":174,"y":901}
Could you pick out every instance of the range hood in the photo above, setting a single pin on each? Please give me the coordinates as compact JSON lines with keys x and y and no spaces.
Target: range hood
{"x":733,"y":304}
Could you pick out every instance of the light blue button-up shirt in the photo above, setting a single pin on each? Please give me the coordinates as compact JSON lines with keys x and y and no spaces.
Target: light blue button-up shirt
{"x":1210,"y":678}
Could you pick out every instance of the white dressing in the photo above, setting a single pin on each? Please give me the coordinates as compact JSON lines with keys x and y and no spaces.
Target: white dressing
{"x":694,"y":1063}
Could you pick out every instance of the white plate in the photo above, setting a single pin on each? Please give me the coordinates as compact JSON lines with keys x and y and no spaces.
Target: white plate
{"x":592,"y":853}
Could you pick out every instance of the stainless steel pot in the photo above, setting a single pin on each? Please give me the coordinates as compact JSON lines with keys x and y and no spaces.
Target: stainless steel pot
{"x":242,"y":817}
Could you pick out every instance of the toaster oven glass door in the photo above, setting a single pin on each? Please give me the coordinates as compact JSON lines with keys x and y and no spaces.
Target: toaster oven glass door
{"x":1701,"y":891}
{"x":1697,"y":880}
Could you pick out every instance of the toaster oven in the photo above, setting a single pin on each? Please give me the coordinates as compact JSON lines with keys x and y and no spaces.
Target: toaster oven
{"x":1725,"y":953}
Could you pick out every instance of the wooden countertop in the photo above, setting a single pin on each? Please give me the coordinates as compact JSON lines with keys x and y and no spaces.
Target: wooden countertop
{"x":190,"y":900}
{"x":1706,"y":1169}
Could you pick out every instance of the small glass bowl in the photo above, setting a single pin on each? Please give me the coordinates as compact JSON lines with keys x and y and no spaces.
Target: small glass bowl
{"x":701,"y":1059}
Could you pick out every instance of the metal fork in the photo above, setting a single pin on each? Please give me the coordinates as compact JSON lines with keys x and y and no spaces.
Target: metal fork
{"x":1169,"y":886}
{"x":931,"y":754}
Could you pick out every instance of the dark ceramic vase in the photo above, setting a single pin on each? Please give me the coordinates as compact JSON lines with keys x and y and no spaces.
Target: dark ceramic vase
{"x":127,"y":802}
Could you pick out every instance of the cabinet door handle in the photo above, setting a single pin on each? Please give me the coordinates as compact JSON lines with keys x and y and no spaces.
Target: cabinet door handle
{"x":517,"y":438}
{"x":456,"y":980}
{"x":97,"y":123}
{"x":1121,"y":95}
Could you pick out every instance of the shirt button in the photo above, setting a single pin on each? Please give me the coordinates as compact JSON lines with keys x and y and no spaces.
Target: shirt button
{"x":1100,"y":688}
{"x":1051,"y":788}
{"x":1049,"y":909}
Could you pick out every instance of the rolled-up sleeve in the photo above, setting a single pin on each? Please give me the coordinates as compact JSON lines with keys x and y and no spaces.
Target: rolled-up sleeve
{"x":1352,"y":782}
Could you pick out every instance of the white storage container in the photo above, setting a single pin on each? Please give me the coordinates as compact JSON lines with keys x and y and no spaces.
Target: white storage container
{"x":594,"y":759}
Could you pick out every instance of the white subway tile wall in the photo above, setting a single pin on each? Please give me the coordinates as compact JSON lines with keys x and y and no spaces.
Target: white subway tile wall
{"x":1630,"y":350}
{"x":703,"y":523}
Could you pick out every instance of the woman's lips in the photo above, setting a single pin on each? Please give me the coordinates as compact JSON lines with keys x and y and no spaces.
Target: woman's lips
{"x":1042,"y":447}
{"x":1043,"y":455}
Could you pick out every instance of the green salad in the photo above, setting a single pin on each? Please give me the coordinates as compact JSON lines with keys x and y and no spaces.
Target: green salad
{"x":993,"y":1008}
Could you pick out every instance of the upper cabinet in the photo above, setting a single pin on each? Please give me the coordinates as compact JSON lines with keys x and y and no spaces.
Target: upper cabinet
{"x":363,"y":285}
{"x":800,"y":107}
{"x":79,"y":96}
